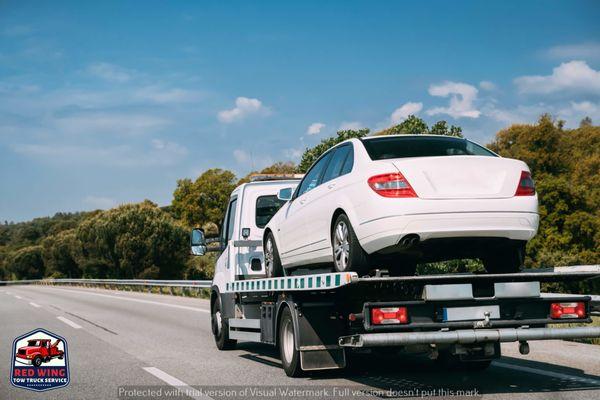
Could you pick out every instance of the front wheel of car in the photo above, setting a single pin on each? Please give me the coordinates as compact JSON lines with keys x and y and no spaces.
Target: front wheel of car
{"x":506,"y":260}
{"x":348,"y":255}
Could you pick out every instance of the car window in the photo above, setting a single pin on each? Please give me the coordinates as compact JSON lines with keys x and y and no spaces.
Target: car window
{"x":349,"y":162}
{"x":311,"y":180}
{"x":384,"y":148}
{"x":334,"y":168}
{"x":266,"y":207}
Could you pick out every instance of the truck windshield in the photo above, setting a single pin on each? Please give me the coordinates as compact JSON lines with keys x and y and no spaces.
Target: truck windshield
{"x":33,"y":343}
{"x":266,"y":207}
{"x":384,"y":148}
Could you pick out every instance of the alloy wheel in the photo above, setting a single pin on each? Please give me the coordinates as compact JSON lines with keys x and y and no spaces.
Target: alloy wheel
{"x":341,"y":246}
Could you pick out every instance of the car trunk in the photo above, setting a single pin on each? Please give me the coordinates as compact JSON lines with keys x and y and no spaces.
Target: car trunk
{"x":461,"y":177}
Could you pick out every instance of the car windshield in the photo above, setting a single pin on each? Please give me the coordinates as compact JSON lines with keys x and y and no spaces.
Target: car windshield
{"x":384,"y":148}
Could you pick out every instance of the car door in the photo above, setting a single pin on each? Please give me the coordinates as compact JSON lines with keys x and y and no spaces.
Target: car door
{"x":292,"y":230}
{"x":319,"y":209}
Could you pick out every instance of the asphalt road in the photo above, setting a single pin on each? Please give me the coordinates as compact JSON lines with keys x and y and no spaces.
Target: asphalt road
{"x":119,"y":339}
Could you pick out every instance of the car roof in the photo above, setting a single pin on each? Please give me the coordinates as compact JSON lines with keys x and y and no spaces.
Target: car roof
{"x":411,"y":135}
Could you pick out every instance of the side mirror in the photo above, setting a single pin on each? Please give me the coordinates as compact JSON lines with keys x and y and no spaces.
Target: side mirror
{"x":198,"y":242}
{"x":285,"y":194}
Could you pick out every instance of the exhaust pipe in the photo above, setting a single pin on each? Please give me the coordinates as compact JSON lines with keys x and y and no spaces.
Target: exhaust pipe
{"x":409,"y":241}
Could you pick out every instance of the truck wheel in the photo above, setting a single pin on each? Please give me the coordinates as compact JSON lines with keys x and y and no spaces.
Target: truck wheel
{"x":220,"y":328}
{"x":273,"y":267}
{"x":37,"y":361}
{"x":290,"y":357}
{"x":507,"y":260}
{"x":348,"y":255}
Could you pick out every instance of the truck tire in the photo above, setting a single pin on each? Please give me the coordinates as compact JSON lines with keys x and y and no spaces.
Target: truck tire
{"x":290,"y":357}
{"x":37,"y":361}
{"x":220,"y":328}
{"x":273,"y":267}
{"x":348,"y":254}
{"x":507,"y":260}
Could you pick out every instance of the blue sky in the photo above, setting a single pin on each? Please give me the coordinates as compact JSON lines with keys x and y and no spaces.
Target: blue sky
{"x":103,"y":103}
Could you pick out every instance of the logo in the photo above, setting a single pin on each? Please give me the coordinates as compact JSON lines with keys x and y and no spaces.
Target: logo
{"x":40,"y":361}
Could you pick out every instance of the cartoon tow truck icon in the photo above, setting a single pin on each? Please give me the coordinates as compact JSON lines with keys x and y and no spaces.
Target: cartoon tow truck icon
{"x":39,"y":351}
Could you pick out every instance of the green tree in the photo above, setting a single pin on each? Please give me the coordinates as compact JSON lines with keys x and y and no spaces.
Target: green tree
{"x":442,"y":128}
{"x":410,"y":126}
{"x":60,"y":253}
{"x":205,"y":199}
{"x":26,"y":263}
{"x":310,"y":155}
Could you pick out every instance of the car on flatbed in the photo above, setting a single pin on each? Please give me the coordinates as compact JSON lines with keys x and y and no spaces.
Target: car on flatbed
{"x":390,"y":202}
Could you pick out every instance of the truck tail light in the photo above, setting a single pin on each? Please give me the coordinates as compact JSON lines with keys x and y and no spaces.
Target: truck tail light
{"x":526,"y":185}
{"x":391,"y":185}
{"x":389,"y":315}
{"x":567,"y":310}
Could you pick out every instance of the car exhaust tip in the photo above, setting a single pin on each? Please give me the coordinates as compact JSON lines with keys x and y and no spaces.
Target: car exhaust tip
{"x":409,"y":241}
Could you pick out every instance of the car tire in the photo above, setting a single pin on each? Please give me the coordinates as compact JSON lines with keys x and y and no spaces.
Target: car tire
{"x":273,"y":267}
{"x":220,"y":328}
{"x":348,"y":254}
{"x":508,"y":259}
{"x":37,"y":361}
{"x":290,"y":356}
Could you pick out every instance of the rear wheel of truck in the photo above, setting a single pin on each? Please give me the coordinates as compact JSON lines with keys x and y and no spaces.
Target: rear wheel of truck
{"x":273,"y":267}
{"x":37,"y":361}
{"x":290,"y":357}
{"x":220,"y":328}
{"x":505,"y":260}
{"x":348,"y":255}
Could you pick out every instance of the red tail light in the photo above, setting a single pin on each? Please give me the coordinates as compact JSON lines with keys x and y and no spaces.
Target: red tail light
{"x":391,"y":185}
{"x":389,"y":315}
{"x":526,"y":185}
{"x":567,"y":310}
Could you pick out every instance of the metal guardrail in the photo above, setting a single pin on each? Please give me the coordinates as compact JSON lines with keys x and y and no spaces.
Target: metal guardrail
{"x":115,"y":282}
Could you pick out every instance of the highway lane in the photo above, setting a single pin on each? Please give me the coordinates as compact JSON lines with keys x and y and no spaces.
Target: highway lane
{"x":118,"y":338}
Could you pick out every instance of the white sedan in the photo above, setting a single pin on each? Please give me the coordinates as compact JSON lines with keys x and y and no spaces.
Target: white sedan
{"x":391,"y":202}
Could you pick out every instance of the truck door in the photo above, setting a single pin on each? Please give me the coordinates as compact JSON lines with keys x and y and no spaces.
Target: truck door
{"x":225,"y":268}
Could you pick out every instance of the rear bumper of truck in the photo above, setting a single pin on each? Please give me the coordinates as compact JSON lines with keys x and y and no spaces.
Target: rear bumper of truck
{"x":466,"y":336}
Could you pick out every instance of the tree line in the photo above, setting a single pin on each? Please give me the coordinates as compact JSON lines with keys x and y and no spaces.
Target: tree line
{"x":146,"y":241}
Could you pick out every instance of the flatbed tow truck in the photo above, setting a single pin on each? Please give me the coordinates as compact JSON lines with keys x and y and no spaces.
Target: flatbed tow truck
{"x":319,"y":320}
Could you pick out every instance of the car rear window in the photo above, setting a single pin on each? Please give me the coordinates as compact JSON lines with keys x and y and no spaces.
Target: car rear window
{"x":266,"y":207}
{"x":384,"y":148}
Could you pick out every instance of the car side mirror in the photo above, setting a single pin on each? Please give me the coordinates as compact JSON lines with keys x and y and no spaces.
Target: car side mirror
{"x":285,"y":194}
{"x":198,"y":242}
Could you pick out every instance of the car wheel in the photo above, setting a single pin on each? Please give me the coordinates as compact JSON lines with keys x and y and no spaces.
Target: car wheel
{"x":348,"y":255}
{"x":290,"y":357}
{"x":273,"y":267}
{"x":506,"y":260}
{"x":37,"y":361}
{"x":220,"y":328}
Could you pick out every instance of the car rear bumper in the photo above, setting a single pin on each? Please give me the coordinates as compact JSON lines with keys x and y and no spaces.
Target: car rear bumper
{"x":380,"y":233}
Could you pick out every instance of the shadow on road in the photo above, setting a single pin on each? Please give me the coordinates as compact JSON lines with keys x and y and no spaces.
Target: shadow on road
{"x":417,"y":372}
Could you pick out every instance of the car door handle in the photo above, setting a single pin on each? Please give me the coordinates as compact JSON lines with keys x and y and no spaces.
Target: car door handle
{"x":331,"y":186}
{"x":302,"y":201}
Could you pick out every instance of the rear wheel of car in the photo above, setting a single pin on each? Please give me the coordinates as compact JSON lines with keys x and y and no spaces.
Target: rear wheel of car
{"x":220,"y":328}
{"x":273,"y":267}
{"x":290,"y":357}
{"x":348,"y":255}
{"x":506,"y":260}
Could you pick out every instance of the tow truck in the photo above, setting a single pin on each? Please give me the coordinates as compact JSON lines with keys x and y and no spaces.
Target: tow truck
{"x":39,"y":351}
{"x":319,"y":319}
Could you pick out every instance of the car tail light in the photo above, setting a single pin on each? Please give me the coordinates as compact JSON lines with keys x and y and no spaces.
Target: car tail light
{"x":389,"y":315}
{"x":391,"y":185}
{"x":567,"y":310}
{"x":526,"y":185}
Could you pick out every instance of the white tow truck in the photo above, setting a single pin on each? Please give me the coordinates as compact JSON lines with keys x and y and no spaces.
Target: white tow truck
{"x":317,"y":320}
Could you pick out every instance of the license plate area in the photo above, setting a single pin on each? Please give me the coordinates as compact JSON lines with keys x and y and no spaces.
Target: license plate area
{"x":470,"y":313}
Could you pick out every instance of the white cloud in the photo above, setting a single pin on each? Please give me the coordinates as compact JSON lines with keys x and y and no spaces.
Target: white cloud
{"x":315,"y":128}
{"x":104,"y":122}
{"x":576,"y":111}
{"x":244,"y":107}
{"x":402,"y":112}
{"x":351,"y":126}
{"x":162,"y":95}
{"x":487,"y":85}
{"x":109,"y":72}
{"x":573,"y":76}
{"x":17,"y":30}
{"x":293,"y":154}
{"x":462,"y":96}
{"x":241,"y":156}
{"x":99,"y":203}
{"x":581,"y":51}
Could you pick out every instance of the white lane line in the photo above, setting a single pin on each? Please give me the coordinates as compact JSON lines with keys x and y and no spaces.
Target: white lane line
{"x":34,"y":304}
{"x":18,"y":297}
{"x":69,"y":322}
{"x":172,"y":381}
{"x":551,"y":374}
{"x":158,"y":303}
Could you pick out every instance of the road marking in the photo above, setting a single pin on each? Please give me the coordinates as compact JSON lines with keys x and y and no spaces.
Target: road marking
{"x":69,"y":322}
{"x":547,"y":373}
{"x":34,"y":304}
{"x":172,"y":381}
{"x":18,"y":297}
{"x":136,"y":300}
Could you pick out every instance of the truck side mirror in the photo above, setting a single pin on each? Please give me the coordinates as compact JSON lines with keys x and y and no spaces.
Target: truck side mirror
{"x":285,"y":194}
{"x":198,"y":242}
